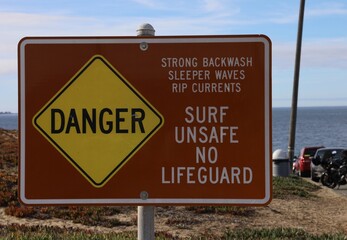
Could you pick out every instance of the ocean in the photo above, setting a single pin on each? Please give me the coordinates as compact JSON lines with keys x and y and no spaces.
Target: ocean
{"x":9,"y":121}
{"x":316,"y":126}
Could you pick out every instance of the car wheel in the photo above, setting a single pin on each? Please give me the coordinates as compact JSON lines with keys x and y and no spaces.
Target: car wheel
{"x":304,"y":174}
{"x":327,"y":181}
{"x":315,"y":179}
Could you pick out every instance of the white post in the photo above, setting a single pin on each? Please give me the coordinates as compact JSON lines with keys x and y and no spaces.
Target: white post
{"x":145,"y":214}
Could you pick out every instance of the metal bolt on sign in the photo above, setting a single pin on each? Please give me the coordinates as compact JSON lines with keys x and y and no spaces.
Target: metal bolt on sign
{"x":143,"y":46}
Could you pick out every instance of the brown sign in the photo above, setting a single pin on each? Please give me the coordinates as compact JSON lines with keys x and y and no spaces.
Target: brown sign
{"x":145,"y":121}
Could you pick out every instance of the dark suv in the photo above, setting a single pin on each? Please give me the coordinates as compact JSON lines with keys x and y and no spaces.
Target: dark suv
{"x":322,"y":155}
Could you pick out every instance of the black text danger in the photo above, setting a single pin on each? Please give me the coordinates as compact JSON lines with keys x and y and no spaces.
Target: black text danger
{"x":106,"y":120}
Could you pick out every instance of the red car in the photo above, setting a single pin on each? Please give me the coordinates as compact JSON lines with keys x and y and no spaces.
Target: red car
{"x":302,"y":164}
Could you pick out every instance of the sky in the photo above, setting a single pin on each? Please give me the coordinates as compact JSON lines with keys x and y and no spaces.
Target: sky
{"x":323,"y":75}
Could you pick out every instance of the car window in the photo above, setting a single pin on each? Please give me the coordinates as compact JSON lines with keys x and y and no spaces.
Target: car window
{"x":310,"y":152}
{"x":338,"y":153}
{"x":327,"y":153}
{"x":320,"y":154}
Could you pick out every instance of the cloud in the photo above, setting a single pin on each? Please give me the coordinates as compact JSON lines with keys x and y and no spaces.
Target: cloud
{"x":7,"y":47}
{"x":213,"y":5}
{"x":327,"y":9}
{"x":16,"y":24}
{"x":220,"y":7}
{"x":325,"y":53}
{"x":283,"y":54}
{"x":8,"y":66}
{"x":287,"y":15}
{"x":11,"y":19}
{"x":191,"y":7}
{"x":315,"y":53}
{"x":149,"y":3}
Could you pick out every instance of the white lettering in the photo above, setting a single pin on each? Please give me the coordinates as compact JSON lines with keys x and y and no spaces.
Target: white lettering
{"x":227,"y":62}
{"x":206,"y":134}
{"x":202,"y":114}
{"x":187,"y":75}
{"x":179,"y":62}
{"x":207,"y":175}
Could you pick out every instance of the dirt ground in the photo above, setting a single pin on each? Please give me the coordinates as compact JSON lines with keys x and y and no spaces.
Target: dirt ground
{"x":326,"y":212}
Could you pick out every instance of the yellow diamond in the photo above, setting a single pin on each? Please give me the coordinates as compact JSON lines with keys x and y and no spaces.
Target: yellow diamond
{"x":98,"y":121}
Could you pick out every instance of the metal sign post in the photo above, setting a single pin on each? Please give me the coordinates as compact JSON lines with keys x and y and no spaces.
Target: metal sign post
{"x":145,"y":214}
{"x":145,"y":222}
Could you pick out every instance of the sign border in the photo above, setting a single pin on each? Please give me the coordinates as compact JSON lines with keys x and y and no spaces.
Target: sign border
{"x":138,"y":40}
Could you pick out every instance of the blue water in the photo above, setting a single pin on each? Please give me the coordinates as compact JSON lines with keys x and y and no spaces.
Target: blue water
{"x":315,"y":126}
{"x":9,"y":121}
